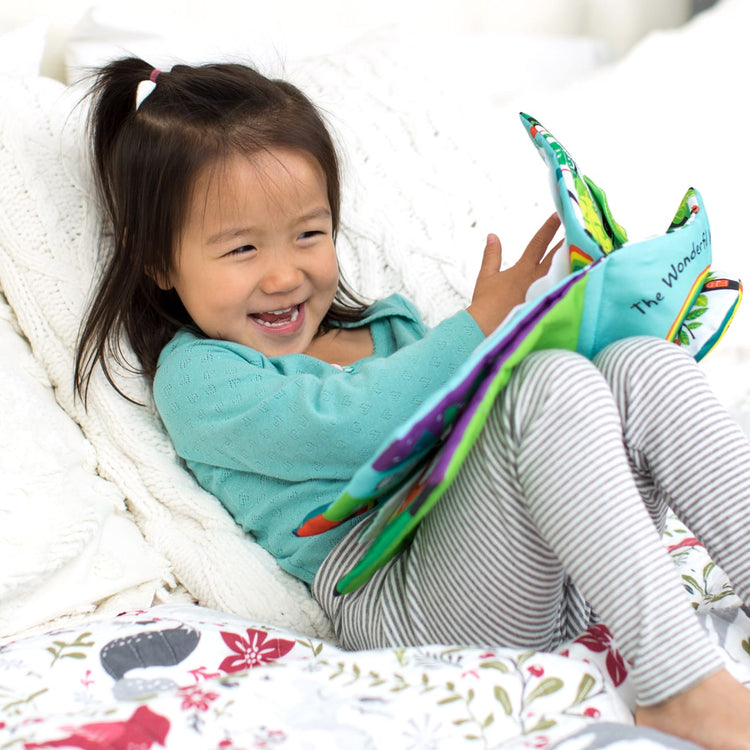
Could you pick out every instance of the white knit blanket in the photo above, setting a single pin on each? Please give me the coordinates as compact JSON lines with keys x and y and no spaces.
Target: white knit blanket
{"x":94,"y":503}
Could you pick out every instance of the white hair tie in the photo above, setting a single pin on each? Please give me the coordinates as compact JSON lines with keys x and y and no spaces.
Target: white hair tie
{"x":145,"y":87}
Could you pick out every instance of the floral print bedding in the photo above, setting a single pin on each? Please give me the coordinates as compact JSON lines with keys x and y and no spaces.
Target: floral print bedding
{"x":182,"y":676}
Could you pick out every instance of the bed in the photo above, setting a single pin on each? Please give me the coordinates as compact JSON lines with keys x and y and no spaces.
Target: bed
{"x":133,"y":612}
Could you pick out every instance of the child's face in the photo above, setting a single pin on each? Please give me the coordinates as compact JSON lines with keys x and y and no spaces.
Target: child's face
{"x":255,"y":263}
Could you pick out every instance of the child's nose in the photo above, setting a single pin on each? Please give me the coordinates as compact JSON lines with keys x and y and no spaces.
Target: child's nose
{"x":282,"y":274}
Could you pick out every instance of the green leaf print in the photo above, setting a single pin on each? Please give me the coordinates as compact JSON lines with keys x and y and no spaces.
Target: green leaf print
{"x":692,"y":322}
{"x":498,"y":665}
{"x":584,"y":688}
{"x":523,"y":657}
{"x":376,"y":679}
{"x":545,"y":687}
{"x":502,"y":697}
{"x":315,"y":648}
{"x":401,"y":683}
{"x":60,"y":649}
{"x":694,"y":585}
{"x":13,"y":706}
{"x":541,"y":725}
{"x":401,"y":656}
{"x":449,"y":699}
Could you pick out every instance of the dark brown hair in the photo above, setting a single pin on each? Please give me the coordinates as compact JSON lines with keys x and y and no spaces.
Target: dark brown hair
{"x":145,"y":163}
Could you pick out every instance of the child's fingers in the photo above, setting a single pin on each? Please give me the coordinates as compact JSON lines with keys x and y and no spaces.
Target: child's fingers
{"x":547,"y":260}
{"x":492,"y":257}
{"x":536,"y":249}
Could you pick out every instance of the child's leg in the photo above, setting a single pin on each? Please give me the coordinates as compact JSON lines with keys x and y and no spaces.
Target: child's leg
{"x":547,"y":488}
{"x":685,"y":451}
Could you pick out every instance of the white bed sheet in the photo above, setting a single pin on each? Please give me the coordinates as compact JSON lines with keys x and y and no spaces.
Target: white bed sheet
{"x":186,"y":677}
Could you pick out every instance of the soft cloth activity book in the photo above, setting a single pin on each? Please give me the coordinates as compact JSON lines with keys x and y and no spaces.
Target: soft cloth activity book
{"x":610,"y":288}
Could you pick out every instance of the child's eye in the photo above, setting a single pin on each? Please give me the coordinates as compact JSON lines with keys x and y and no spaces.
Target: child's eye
{"x":242,"y":250}
{"x":311,"y":233}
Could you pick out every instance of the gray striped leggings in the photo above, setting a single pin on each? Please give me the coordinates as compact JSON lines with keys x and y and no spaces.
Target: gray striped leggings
{"x":559,"y":509}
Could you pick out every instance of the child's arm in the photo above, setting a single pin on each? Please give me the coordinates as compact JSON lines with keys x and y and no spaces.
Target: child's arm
{"x":497,"y":292}
{"x":228,"y":406}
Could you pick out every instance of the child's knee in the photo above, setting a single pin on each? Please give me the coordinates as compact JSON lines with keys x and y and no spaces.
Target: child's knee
{"x":641,"y":356}
{"x":552,"y":378}
{"x":556,"y":368}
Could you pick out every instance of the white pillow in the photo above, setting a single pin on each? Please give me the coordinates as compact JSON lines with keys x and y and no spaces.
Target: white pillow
{"x":66,"y":542}
{"x":21,"y":49}
{"x":105,"y":33}
{"x":498,"y":63}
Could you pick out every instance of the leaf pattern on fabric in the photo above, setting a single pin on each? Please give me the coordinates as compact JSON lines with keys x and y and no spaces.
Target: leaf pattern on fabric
{"x":598,"y":639}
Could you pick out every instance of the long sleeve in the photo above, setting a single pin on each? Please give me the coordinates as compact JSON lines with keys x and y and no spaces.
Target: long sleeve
{"x":276,"y":439}
{"x":228,"y":406}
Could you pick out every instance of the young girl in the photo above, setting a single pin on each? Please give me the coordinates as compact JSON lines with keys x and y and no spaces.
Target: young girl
{"x":276,"y":383}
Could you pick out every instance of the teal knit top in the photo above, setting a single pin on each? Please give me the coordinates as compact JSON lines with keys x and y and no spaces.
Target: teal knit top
{"x":276,"y":438}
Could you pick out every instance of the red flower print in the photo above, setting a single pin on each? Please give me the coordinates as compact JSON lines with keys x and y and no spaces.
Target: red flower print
{"x":200,"y":673}
{"x":536,"y":670}
{"x":538,"y":742}
{"x":472,"y":672}
{"x":194,"y":697}
{"x":689,"y":541}
{"x":252,"y":651}
{"x":598,"y":639}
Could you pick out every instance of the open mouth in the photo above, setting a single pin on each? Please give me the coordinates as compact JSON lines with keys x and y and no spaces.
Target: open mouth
{"x":278,"y":318}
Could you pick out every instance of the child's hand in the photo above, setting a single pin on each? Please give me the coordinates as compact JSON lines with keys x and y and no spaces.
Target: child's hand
{"x":497,"y":292}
